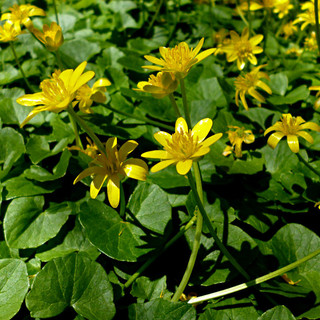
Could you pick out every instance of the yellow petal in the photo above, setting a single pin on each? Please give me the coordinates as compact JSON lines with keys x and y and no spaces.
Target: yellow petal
{"x":152,"y":68}
{"x":154,"y":60}
{"x":113,"y":189}
{"x":103,"y":82}
{"x":77,"y":73}
{"x":201,"y":152}
{"x":31,"y":99}
{"x":243,"y":100}
{"x":157,"y":154}
{"x":181,"y":125}
{"x":211,"y":140}
{"x":198,"y":48}
{"x":204,"y":54}
{"x":256,"y":95}
{"x":202,"y":128}
{"x":88,"y":172}
{"x":136,"y":169}
{"x":84,"y":78}
{"x":127,"y":148}
{"x":96,"y":184}
{"x":163,"y":138}
{"x":274,"y":139}
{"x":252,"y":59}
{"x":256,"y":39}
{"x":183,"y":167}
{"x":32,"y":114}
{"x":305,"y":135}
{"x":310,"y":125}
{"x":293,"y":143}
{"x":263,"y":86}
{"x":162,"y":164}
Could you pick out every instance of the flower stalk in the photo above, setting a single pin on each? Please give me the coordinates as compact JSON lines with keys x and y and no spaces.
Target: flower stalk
{"x":56,"y":11}
{"x":174,"y":104}
{"x":259,"y":280}
{"x":316,"y":16}
{"x":185,"y":103}
{"x":196,"y":241}
{"x":87,"y":129}
{"x":161,"y":251}
{"x":20,"y":67}
{"x":207,"y":221}
{"x":307,"y":164}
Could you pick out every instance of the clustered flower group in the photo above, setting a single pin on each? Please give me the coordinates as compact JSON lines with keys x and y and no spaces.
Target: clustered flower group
{"x":109,"y":165}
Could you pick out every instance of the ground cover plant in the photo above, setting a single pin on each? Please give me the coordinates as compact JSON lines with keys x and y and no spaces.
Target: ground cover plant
{"x":160,"y":159}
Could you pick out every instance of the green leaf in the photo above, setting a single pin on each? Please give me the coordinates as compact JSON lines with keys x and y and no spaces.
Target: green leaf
{"x":277,"y":313}
{"x":11,"y":148}
{"x":250,"y":163}
{"x":150,"y":205}
{"x":76,"y":51}
{"x":74,"y":281}
{"x":160,"y":309}
{"x":168,"y":178}
{"x":278,"y":83}
{"x":27,"y":226}
{"x":145,"y":289}
{"x":118,"y":239}
{"x":298,"y":94}
{"x":21,"y":187}
{"x":14,"y":285}
{"x":258,"y":115}
{"x":241,"y":309}
{"x":75,"y":240}
{"x":40,"y":174}
{"x":158,"y":108}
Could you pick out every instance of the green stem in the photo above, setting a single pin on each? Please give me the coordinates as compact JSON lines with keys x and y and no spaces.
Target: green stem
{"x":185,"y":103}
{"x":307,"y":164}
{"x":59,"y":61}
{"x":87,"y":129}
{"x":122,"y":201}
{"x":154,"y":16}
{"x":196,"y":241}
{"x":174,"y":104}
{"x":76,"y":132}
{"x":251,"y":283}
{"x":207,"y":221}
{"x":140,"y":118}
{"x":20,"y":67}
{"x":56,"y":11}
{"x":316,"y":16}
{"x":162,"y":250}
{"x":249,"y":18}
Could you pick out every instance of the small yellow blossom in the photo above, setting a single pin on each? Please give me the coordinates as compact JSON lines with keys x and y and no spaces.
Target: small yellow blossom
{"x":159,"y":86}
{"x":282,"y":8}
{"x":289,"y":29}
{"x":256,"y":5}
{"x":307,"y":17}
{"x":91,"y":149}
{"x":317,"y":102}
{"x":86,"y":95}
{"x":294,"y":51}
{"x":288,"y":280}
{"x":112,"y":167}
{"x":179,"y":59}
{"x":241,"y":48}
{"x":20,"y":15}
{"x":249,"y":83}
{"x":57,"y":92}
{"x":184,"y":146}
{"x":310,"y":43}
{"x":51,"y":36}
{"x":8,"y":32}
{"x":236,"y":138}
{"x":220,"y":37}
{"x":292,"y":128}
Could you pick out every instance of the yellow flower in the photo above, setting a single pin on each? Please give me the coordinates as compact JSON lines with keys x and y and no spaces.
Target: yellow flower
{"x":86,"y":95}
{"x":241,"y":48}
{"x":112,"y":169}
{"x":51,"y":37}
{"x":307,"y":17}
{"x":179,"y":59}
{"x":8,"y":32}
{"x":248,"y":84}
{"x":256,"y":5}
{"x":310,"y":43}
{"x":159,"y":86}
{"x":91,"y":149}
{"x":289,"y":29}
{"x":57,"y":92}
{"x":292,"y":128}
{"x":184,"y":146}
{"x":236,"y":138}
{"x":317,"y":102}
{"x":294,"y":50}
{"x":282,"y":7}
{"x":20,"y":15}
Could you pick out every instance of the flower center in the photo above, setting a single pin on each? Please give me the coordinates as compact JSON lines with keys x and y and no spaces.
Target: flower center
{"x":289,"y":126}
{"x":177,"y":58}
{"x":243,"y":48}
{"x":183,"y":145}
